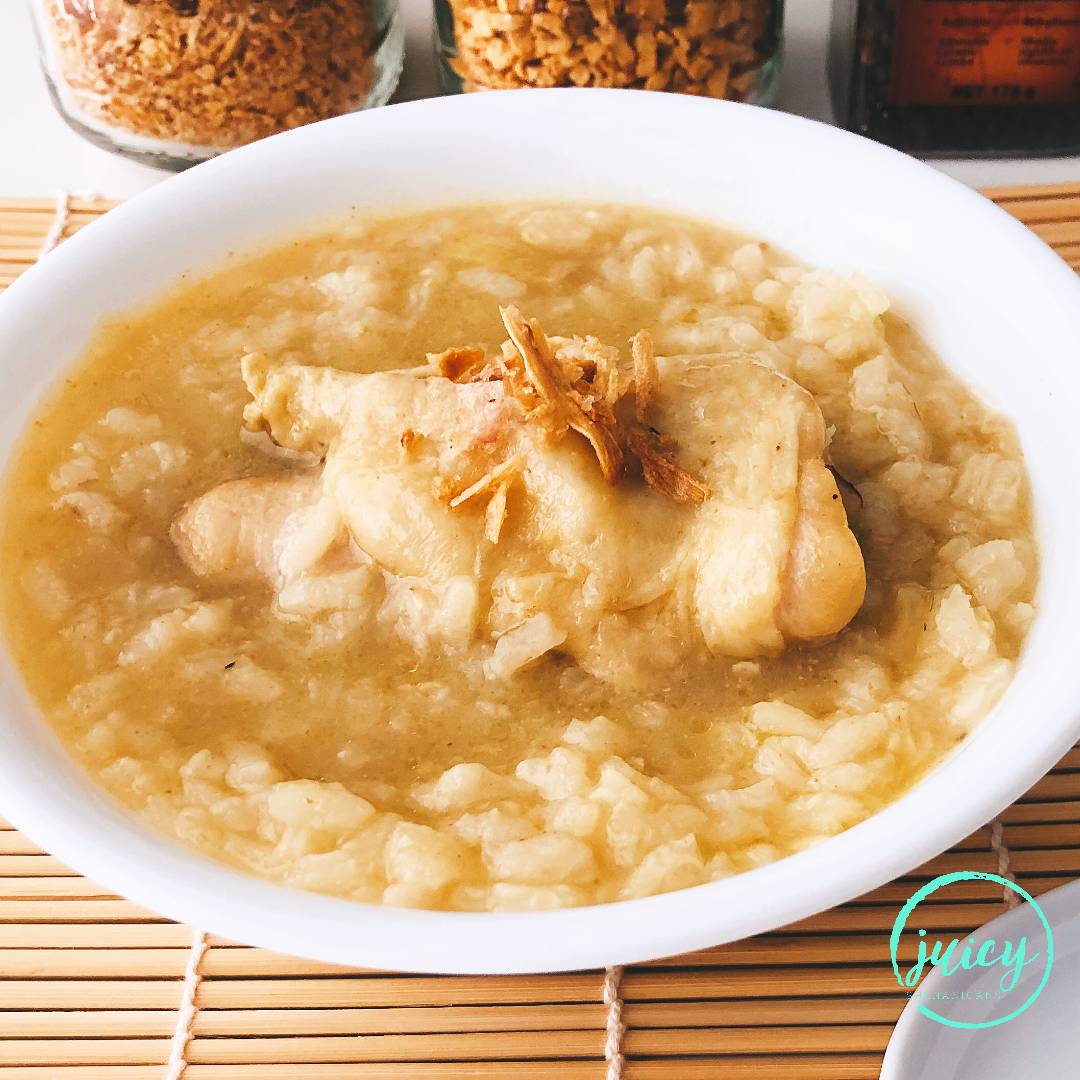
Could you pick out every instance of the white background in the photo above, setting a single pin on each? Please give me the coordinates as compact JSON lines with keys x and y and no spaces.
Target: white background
{"x":40,"y":156}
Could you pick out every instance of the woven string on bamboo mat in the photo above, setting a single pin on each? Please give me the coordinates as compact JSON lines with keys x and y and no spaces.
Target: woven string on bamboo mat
{"x":94,"y":987}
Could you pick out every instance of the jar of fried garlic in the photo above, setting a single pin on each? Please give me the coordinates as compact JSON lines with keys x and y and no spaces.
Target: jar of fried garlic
{"x":716,"y":48}
{"x":173,"y":82}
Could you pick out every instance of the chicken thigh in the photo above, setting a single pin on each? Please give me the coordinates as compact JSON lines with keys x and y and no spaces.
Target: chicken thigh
{"x":537,"y":501}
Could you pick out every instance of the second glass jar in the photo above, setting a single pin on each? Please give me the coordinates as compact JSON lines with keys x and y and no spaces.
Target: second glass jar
{"x":715,"y":48}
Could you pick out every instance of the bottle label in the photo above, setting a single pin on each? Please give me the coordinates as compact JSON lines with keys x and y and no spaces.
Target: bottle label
{"x":986,"y":52}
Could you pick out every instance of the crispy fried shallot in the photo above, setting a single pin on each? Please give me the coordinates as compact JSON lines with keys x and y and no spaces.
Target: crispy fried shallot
{"x":495,"y":514}
{"x":459,"y":364}
{"x":600,"y":369}
{"x":658,"y":465}
{"x":567,"y":404}
{"x":646,"y":373}
{"x":581,"y":394}
{"x":489,"y":480}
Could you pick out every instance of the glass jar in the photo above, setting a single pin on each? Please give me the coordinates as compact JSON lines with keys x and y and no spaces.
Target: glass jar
{"x":716,"y":48}
{"x":969,"y":77}
{"x":173,"y":82}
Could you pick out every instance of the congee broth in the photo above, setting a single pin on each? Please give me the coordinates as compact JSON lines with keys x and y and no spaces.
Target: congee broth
{"x":516,"y":556}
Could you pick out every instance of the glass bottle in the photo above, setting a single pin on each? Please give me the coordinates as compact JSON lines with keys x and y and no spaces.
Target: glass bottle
{"x":970,"y":77}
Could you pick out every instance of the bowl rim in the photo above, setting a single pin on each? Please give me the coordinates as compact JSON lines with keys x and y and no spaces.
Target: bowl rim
{"x":61,"y":811}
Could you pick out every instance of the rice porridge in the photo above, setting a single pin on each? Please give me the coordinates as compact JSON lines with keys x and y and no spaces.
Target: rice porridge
{"x":514,"y":557}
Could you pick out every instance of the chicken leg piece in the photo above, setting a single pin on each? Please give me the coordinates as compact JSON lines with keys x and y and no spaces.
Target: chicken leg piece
{"x":484,"y":481}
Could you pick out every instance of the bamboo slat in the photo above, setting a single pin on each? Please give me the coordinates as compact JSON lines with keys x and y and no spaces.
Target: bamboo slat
{"x":516,"y":1070}
{"x":51,"y":888}
{"x":33,"y":866}
{"x":14,"y":843}
{"x":73,"y":910}
{"x":898,"y":891}
{"x":1042,"y":813}
{"x":102,"y":936}
{"x":391,"y":1020}
{"x":385,"y":1021}
{"x":90,"y":983}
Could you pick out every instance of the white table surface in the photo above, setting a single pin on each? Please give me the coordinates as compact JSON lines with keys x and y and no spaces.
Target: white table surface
{"x":39,"y":155}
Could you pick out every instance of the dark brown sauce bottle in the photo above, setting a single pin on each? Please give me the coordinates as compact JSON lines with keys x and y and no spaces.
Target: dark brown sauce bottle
{"x":966,"y":77}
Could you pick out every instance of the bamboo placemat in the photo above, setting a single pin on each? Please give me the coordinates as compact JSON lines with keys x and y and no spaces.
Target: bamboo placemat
{"x":91,"y":984}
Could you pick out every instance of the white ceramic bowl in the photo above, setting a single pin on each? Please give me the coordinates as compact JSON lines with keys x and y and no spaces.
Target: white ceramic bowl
{"x":1000,"y":308}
